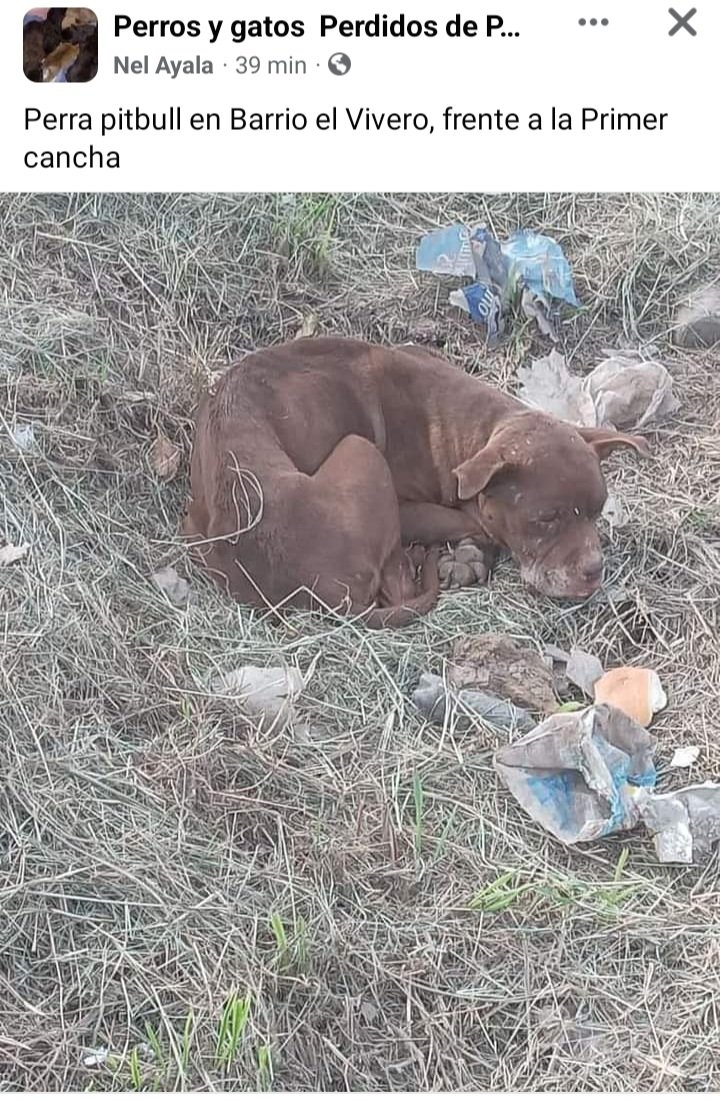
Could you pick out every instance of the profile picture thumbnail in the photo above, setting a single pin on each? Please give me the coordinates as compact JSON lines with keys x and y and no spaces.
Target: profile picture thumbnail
{"x":60,"y":45}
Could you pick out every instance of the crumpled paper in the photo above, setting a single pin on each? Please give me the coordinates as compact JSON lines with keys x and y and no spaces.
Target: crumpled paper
{"x":586,"y":774}
{"x":577,"y":773}
{"x":629,"y":393}
{"x":583,"y":670}
{"x":685,"y":823}
{"x":548,"y":385}
{"x":623,"y":392}
{"x":267,"y":694}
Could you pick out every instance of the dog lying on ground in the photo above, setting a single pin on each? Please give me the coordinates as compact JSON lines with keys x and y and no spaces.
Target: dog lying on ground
{"x":317,"y":464}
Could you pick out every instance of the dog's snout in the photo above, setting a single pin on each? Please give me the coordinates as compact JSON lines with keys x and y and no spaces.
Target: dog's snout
{"x":592,"y":570}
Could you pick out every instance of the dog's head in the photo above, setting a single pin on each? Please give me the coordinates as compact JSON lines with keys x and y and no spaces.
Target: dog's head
{"x":539,"y":490}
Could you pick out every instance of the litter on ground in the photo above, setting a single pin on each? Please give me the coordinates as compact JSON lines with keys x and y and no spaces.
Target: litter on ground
{"x":10,"y":553}
{"x":583,"y":670}
{"x":433,"y":699}
{"x":685,"y":824}
{"x":175,"y":588}
{"x":623,"y":392}
{"x":635,"y":691}
{"x":528,"y":271}
{"x":590,"y":773}
{"x":685,"y":756}
{"x":577,"y":773}
{"x":266,"y":694}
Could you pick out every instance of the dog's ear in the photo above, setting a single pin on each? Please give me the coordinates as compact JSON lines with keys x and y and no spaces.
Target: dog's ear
{"x":605,"y":440}
{"x":476,"y":474}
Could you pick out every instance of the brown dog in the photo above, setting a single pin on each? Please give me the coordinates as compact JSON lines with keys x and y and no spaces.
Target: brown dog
{"x":316,"y":462}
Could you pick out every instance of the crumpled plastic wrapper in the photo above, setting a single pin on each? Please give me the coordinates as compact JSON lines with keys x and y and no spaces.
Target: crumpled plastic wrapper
{"x":540,"y":264}
{"x":623,"y":392}
{"x":586,"y":774}
{"x":685,"y":823}
{"x":528,"y":267}
{"x":435,"y":702}
{"x":548,"y":385}
{"x":577,"y":773}
{"x":629,"y":393}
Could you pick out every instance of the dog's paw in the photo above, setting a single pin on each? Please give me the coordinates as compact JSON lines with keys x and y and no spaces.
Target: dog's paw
{"x":463,"y":565}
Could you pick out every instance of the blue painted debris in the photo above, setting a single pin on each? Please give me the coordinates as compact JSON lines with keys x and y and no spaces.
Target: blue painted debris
{"x":587,"y":774}
{"x":529,"y":269}
{"x":480,"y":301}
{"x":446,"y":251}
{"x":539,"y":263}
{"x":578,"y":774}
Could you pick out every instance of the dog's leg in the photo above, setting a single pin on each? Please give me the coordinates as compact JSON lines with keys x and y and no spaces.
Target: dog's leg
{"x":429,"y":524}
{"x":356,"y":533}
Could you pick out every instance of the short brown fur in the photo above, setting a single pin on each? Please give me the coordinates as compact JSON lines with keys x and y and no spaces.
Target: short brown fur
{"x":316,"y":463}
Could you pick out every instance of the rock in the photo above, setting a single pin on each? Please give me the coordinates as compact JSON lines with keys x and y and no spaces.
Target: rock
{"x":496,"y":665}
{"x":697,"y":322}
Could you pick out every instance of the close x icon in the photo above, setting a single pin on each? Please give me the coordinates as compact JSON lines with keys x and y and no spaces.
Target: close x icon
{"x":682,"y":22}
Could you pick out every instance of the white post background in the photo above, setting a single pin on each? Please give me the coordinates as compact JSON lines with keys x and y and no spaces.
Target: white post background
{"x":630,"y":65}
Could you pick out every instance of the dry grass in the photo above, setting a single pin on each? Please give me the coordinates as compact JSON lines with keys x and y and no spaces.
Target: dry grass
{"x":364,"y":908}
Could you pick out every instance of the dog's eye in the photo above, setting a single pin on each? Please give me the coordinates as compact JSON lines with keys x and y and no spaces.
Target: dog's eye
{"x":547,"y":518}
{"x":576,"y":511}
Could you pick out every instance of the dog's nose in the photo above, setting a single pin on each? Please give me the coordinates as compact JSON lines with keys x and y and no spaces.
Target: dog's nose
{"x":592,"y":571}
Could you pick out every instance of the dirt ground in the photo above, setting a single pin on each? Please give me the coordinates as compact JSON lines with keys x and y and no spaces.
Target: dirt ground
{"x":190,"y":903}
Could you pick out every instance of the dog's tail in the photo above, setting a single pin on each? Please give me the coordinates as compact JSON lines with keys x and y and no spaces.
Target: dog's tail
{"x":400,"y":615}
